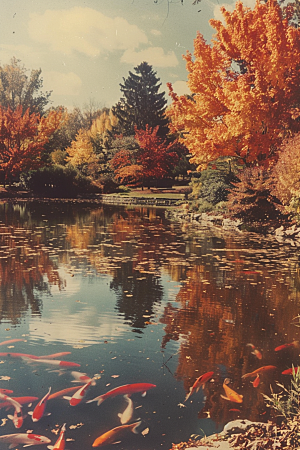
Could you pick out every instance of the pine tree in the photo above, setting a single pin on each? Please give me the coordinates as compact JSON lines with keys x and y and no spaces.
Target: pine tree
{"x":141,"y":103}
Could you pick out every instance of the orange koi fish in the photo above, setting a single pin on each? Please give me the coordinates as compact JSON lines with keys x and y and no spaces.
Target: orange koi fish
{"x":123,"y":390}
{"x":6,"y":391}
{"x":198,"y":383}
{"x":231,"y":395}
{"x":256,"y":381}
{"x":17,"y":355}
{"x":11,"y":341}
{"x":63,"y":392}
{"x":260,"y":370}
{"x":53,"y":355}
{"x":284,"y":346}
{"x":290,"y":371}
{"x":60,"y":443}
{"x":255,"y":352}
{"x":21,"y":400}
{"x":111,"y":435}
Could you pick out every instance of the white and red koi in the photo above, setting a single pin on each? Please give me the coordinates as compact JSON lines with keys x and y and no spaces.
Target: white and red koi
{"x":111,"y":435}
{"x":17,"y":418}
{"x":63,"y":392}
{"x":255,"y":351}
{"x":198,"y":383}
{"x":127,"y":414}
{"x":39,"y":410}
{"x":60,"y":443}
{"x":54,"y":355}
{"x":123,"y":390}
{"x":24,"y":438}
{"x":80,"y":393}
{"x":52,"y":362}
{"x":80,"y":377}
{"x":231,"y":395}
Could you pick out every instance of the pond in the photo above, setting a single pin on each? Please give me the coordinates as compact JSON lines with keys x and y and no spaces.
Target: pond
{"x":134,"y":298}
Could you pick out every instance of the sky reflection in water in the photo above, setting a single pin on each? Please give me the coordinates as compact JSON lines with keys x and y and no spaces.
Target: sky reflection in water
{"x":138,"y":299}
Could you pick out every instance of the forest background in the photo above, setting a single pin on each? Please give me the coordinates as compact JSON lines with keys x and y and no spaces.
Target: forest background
{"x":235,"y":137}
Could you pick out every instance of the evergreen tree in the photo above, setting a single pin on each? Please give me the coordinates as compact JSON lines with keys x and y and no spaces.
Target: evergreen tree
{"x":141,"y":103}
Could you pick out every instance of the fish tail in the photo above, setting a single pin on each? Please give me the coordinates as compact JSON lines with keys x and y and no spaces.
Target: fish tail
{"x":135,"y":426}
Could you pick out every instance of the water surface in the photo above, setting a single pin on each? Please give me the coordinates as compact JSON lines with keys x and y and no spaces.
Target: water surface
{"x":136,"y":298}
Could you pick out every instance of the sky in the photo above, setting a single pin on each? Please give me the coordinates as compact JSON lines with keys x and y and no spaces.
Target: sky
{"x":86,"y":48}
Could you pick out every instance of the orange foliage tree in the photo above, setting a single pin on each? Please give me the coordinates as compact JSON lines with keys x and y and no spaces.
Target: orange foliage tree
{"x":22,"y":139}
{"x":244,"y":88}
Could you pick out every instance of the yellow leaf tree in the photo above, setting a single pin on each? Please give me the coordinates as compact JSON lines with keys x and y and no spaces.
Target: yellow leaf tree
{"x":244,"y":88}
{"x":81,"y":154}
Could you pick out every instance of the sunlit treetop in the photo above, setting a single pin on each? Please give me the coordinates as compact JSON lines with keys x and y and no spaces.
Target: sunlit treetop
{"x":244,"y":88}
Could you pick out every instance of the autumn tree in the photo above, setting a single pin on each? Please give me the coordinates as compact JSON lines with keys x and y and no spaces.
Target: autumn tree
{"x":142,"y":104}
{"x":244,"y":88}
{"x":17,"y":88}
{"x":22,"y":139}
{"x":126,"y":169}
{"x":81,"y":154}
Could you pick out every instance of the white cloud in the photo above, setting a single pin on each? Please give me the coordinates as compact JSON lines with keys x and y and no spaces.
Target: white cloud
{"x":181,"y":87}
{"x":155,"y":32}
{"x":230,"y":7}
{"x":62,"y":83}
{"x":153,"y":55}
{"x":84,"y":30}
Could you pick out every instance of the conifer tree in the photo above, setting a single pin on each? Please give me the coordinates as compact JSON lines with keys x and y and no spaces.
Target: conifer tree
{"x":142,"y":104}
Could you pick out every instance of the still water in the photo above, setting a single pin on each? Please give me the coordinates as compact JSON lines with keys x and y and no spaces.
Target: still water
{"x":135,"y":298}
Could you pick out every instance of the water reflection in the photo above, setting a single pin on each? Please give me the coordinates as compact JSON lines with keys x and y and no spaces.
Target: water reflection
{"x":135,"y":296}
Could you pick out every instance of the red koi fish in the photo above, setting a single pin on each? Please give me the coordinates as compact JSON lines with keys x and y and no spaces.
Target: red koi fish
{"x":63,"y":392}
{"x":259,"y":371}
{"x":198,"y":383}
{"x":290,"y":371}
{"x":52,"y":362}
{"x":21,"y":400}
{"x":24,"y":438}
{"x":80,"y":393}
{"x":294,"y":344}
{"x":54,"y":355}
{"x":255,"y":352}
{"x":60,"y":443}
{"x":126,"y":389}
{"x":111,"y":435}
{"x":6,"y":391}
{"x":11,"y":341}
{"x":39,"y":410}
{"x":17,"y":418}
{"x":17,"y":355}
{"x":231,"y":395}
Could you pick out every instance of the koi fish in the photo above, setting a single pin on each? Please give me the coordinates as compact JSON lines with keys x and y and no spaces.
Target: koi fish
{"x":255,"y":352}
{"x":62,"y":393}
{"x":284,"y":346}
{"x":112,"y":434}
{"x":17,"y":418}
{"x":80,"y":393}
{"x":11,"y":341}
{"x":123,"y":390}
{"x":21,"y":400}
{"x":80,"y":377}
{"x":60,"y":443}
{"x":198,"y":383}
{"x":17,"y":355}
{"x":54,"y":355}
{"x":24,"y":438}
{"x":6,"y":391}
{"x":126,"y":415}
{"x":52,"y":362}
{"x":256,"y":381}
{"x":39,"y":410}
{"x":231,"y":395}
{"x":260,"y":370}
{"x":290,"y":371}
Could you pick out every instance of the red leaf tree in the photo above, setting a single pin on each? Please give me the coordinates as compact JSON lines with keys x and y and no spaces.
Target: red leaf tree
{"x":22,"y":139}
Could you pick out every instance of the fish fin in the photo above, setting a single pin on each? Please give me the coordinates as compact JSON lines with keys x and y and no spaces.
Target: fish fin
{"x":225,"y":398}
{"x":136,"y":426}
{"x":120,"y":415}
{"x":66,"y":397}
{"x":12,"y":445}
{"x":99,"y":400}
{"x":10,"y":416}
{"x":50,"y":447}
{"x":144,"y":394}
{"x":30,"y":413}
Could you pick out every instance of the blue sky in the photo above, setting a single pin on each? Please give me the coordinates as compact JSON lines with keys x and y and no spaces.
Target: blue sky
{"x":85,"y":48}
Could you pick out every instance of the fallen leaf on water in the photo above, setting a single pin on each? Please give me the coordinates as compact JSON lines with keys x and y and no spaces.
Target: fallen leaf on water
{"x":4,"y":378}
{"x":10,"y":346}
{"x":115,"y":376}
{"x":70,"y":439}
{"x":55,"y":431}
{"x":3,"y":422}
{"x":145,"y":431}
{"x":78,"y":425}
